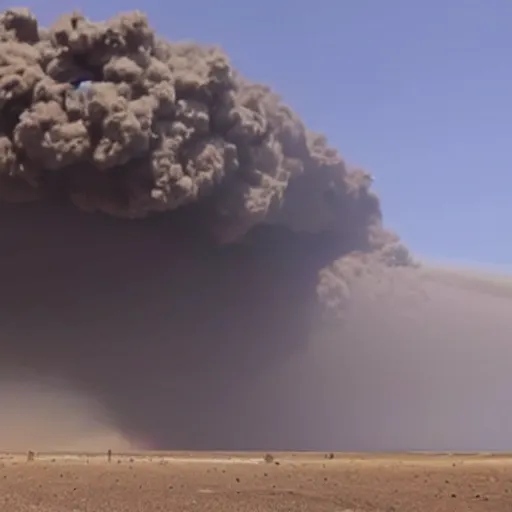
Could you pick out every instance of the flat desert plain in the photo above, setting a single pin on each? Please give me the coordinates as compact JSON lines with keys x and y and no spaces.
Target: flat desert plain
{"x":149,"y":482}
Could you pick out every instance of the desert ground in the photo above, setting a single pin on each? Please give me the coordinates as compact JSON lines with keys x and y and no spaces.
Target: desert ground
{"x":247,"y":482}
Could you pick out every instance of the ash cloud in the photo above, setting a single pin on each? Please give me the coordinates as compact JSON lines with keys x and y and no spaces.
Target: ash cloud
{"x":173,"y":233}
{"x":161,"y":127}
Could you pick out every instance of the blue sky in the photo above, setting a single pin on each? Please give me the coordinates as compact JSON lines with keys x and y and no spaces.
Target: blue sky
{"x":419,"y":93}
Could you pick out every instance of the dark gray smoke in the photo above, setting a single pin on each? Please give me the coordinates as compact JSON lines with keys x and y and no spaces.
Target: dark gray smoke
{"x":182,"y":242}
{"x":163,"y":127}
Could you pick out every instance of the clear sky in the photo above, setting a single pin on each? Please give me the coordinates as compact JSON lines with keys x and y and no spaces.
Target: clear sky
{"x":419,"y":93}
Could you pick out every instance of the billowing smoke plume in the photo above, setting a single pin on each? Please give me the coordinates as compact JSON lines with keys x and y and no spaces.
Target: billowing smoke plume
{"x":181,"y":235}
{"x":160,"y":127}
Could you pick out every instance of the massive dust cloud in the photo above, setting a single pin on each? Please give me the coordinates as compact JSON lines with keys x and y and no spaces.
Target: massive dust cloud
{"x":179,"y":247}
{"x":163,"y":127}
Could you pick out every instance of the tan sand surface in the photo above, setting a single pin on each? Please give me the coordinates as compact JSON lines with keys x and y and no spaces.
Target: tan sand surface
{"x":150,"y":482}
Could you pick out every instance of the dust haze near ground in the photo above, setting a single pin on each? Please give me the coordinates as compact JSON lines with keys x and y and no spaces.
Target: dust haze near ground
{"x":45,"y":414}
{"x":182,"y":251}
{"x":346,"y":483}
{"x":418,"y":360}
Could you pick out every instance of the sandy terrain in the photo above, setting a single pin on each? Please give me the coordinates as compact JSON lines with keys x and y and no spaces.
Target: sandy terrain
{"x":299,"y":482}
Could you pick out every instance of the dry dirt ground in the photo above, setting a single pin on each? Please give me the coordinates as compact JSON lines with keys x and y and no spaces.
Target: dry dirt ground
{"x":220,"y":482}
